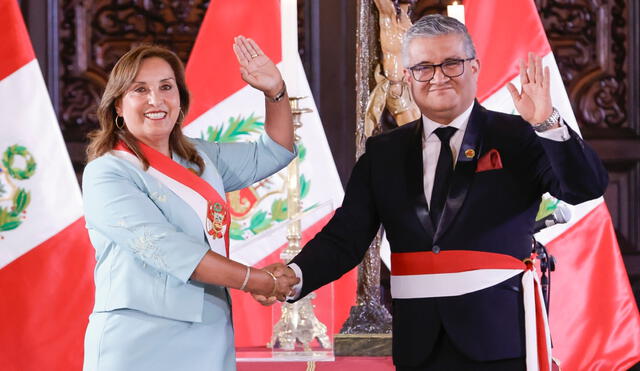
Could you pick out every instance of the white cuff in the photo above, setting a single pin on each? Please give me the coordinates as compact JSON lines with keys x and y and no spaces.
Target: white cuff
{"x":298,"y":286}
{"x":559,"y":134}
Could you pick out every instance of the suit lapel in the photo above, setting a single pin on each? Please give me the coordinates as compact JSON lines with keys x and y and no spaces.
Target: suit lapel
{"x":465,"y":169}
{"x":415,"y":175}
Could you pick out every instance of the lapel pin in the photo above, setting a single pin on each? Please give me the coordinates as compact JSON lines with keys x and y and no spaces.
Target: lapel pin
{"x":470,"y":153}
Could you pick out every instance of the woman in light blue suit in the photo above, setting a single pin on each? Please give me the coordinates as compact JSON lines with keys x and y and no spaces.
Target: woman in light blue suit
{"x":160,"y":231}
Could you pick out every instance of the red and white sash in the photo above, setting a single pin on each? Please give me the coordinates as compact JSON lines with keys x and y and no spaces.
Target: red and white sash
{"x":208,"y":204}
{"x":424,"y":274}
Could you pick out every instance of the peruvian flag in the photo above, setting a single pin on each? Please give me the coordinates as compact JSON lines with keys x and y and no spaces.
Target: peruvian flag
{"x":46,"y":260}
{"x":593,"y":315}
{"x":225,"y":109}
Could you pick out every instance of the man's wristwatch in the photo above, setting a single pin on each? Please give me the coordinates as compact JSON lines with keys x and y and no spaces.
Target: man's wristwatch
{"x":550,"y":122}
{"x":278,"y":97}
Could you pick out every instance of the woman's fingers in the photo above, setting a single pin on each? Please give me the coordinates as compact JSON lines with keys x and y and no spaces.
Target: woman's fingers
{"x":244,"y":48}
{"x":240,"y":55}
{"x":253,"y":46}
{"x":264,"y":300}
{"x":248,"y":47}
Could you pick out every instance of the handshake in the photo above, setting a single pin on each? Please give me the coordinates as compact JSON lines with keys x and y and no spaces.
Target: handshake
{"x":283,"y":279}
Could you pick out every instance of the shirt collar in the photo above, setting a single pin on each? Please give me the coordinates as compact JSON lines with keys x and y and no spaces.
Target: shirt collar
{"x":459,"y":122}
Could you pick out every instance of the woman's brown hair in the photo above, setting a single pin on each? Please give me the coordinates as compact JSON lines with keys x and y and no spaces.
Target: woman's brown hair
{"x":122,"y":75}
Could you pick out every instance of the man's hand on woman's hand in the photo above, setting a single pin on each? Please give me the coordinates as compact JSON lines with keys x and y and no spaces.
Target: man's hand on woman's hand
{"x":286,"y":279}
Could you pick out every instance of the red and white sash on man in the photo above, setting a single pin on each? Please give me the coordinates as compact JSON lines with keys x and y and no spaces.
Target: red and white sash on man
{"x":206,"y":202}
{"x":424,"y":274}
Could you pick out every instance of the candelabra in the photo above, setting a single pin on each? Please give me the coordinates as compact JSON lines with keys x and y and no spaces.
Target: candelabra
{"x":298,"y":322}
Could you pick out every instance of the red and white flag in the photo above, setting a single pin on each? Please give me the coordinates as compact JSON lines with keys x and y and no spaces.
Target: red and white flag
{"x":593,"y":315}
{"x":46,"y":260}
{"x":224,"y":108}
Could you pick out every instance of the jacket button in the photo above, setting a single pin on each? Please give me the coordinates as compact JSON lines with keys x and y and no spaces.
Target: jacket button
{"x":435,"y":249}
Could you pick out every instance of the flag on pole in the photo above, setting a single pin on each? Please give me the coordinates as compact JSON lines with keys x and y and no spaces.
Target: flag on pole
{"x":224,"y":108}
{"x":593,"y":315}
{"x":46,"y":260}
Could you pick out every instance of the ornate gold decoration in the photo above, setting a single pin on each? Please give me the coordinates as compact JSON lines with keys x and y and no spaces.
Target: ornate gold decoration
{"x":391,"y":90}
{"x":298,"y":322}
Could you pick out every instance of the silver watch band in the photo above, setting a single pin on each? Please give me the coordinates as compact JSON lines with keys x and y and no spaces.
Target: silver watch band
{"x":550,"y":122}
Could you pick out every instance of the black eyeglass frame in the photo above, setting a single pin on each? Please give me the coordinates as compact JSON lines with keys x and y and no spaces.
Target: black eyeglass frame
{"x":441,"y":69}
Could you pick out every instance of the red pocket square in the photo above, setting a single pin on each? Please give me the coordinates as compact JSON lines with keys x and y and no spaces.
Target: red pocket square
{"x":490,"y":161}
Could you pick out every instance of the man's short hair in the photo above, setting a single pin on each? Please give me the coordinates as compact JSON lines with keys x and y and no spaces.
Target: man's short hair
{"x":436,"y":25}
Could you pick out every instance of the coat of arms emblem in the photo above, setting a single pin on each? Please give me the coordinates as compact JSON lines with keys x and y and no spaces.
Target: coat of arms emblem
{"x":17,"y":165}
{"x":217,"y":216}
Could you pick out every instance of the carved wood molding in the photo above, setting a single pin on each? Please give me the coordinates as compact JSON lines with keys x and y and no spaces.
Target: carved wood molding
{"x":623,"y":194}
{"x":590,"y":39}
{"x":595,"y":43}
{"x":95,"y":33}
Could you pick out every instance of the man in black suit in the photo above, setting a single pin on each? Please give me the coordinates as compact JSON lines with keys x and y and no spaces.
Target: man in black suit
{"x":460,"y":231}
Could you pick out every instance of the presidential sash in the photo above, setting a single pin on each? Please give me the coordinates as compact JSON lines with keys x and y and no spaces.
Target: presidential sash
{"x":206,"y":202}
{"x":424,"y":274}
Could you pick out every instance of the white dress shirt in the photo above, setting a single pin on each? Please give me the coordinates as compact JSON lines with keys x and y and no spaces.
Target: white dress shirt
{"x":431,"y":146}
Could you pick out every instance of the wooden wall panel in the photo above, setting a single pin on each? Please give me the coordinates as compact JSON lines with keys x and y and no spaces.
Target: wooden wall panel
{"x":594,"y":42}
{"x":93,"y":34}
{"x":597,"y":46}
{"x":589,"y":39}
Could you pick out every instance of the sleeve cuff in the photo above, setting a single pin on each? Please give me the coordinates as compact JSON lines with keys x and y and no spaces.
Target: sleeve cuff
{"x":298,"y":287}
{"x":278,"y":149}
{"x":184,"y":275}
{"x":559,"y":134}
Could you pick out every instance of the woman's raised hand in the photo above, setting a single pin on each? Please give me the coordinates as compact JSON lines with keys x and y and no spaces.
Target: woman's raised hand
{"x":256,"y":68}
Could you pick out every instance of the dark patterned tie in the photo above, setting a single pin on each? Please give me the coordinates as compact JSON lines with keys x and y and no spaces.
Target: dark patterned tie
{"x":444,"y":169}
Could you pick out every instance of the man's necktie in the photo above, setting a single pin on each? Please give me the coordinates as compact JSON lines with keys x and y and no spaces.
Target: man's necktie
{"x":444,"y":170}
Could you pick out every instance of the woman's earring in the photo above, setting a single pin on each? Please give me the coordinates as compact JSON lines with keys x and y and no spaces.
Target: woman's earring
{"x":121,"y":122}
{"x":180,"y":117}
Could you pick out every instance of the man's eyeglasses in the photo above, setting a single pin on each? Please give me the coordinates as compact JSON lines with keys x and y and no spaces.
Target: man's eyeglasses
{"x":451,"y":68}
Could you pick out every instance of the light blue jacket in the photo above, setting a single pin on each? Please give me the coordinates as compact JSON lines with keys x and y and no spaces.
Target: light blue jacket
{"x":147,"y":240}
